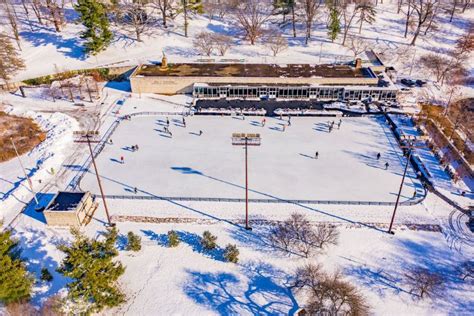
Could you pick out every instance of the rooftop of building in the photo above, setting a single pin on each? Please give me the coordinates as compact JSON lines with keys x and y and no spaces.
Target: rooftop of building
{"x":254,"y":70}
{"x":65,"y":201}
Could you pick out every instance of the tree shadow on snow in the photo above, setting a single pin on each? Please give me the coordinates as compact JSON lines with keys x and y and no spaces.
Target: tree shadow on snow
{"x":265,"y":293}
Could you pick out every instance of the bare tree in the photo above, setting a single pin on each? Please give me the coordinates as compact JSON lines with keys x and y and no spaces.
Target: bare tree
{"x":222,"y":43}
{"x":36,"y":5}
{"x":297,"y":235}
{"x":328,"y":294}
{"x":204,"y":43}
{"x":56,"y":13}
{"x":166,"y":8}
{"x":348,"y":13}
{"x":367,"y":14}
{"x":11,"y":16}
{"x":423,"y":282}
{"x":276,"y":42}
{"x":251,"y":15}
{"x":218,"y":7}
{"x":136,"y":17}
{"x":357,"y":45}
{"x":424,"y":11}
{"x":310,"y":10}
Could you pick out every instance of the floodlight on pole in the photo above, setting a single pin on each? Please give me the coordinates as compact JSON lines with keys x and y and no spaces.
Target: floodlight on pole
{"x":410,"y":148}
{"x":242,"y":139}
{"x":88,"y":135}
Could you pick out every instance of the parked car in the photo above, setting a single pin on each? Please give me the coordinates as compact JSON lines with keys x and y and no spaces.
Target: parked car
{"x":420,"y":83}
{"x":408,"y":82}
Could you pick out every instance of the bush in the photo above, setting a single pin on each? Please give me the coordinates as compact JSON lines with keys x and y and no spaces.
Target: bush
{"x":173,"y":239}
{"x":134,"y":242}
{"x":46,"y":275}
{"x":208,"y":240}
{"x":231,"y":253}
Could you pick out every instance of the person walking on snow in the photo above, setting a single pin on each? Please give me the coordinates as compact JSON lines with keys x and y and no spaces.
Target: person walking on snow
{"x":200,"y":132}
{"x":263,"y":122}
{"x":184,"y":122}
{"x":386,"y":165}
{"x":121,"y":159}
{"x":283,"y":128}
{"x":339,"y":124}
{"x":167,"y":122}
{"x":316,"y":155}
{"x":289,"y":120}
{"x":378,"y":156}
{"x":135,"y":190}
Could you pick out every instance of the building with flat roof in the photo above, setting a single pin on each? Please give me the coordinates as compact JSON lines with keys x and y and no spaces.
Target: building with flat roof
{"x":70,"y":209}
{"x":264,"y":81}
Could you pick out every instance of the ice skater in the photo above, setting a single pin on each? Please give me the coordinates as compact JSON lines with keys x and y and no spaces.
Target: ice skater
{"x":386,"y":165}
{"x":378,"y":156}
{"x":316,"y":155}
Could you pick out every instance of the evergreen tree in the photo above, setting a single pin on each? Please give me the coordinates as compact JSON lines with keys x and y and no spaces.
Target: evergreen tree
{"x":15,"y":282}
{"x":46,"y":275}
{"x":90,"y":264}
{"x":173,"y":239}
{"x":208,"y":240}
{"x":231,"y":253}
{"x":10,"y":61}
{"x":94,"y":18}
{"x":134,"y":242}
{"x":334,"y":27}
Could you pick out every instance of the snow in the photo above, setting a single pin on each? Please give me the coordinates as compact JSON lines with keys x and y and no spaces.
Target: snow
{"x":186,"y":280}
{"x":208,"y":166}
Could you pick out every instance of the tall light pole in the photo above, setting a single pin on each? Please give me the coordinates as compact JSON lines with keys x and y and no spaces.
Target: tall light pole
{"x":410,"y":148}
{"x":30,"y":184}
{"x":88,"y":135}
{"x":239,"y":139}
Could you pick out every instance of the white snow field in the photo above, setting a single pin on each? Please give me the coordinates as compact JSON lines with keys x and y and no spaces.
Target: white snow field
{"x":284,"y":167}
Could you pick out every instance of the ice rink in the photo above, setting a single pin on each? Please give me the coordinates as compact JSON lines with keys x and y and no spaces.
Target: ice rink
{"x":189,"y":165}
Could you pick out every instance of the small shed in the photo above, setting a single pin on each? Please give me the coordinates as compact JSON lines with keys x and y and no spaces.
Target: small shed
{"x":70,"y":209}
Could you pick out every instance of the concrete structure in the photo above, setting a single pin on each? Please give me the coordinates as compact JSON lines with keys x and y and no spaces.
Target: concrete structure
{"x":70,"y":209}
{"x":264,"y":81}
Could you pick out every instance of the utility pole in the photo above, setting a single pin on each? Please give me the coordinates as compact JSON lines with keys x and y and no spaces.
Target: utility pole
{"x":239,"y":139}
{"x":30,"y":184}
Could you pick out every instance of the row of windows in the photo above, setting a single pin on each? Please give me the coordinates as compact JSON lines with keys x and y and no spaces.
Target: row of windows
{"x":323,"y":93}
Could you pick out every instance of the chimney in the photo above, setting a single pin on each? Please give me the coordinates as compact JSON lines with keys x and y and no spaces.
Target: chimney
{"x":358,"y":63}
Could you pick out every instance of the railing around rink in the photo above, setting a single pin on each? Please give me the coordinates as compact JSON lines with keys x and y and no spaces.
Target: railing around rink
{"x":276,"y":200}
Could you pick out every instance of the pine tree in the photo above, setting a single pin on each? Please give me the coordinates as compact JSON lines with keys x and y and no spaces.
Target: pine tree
{"x":90,"y":264}
{"x":15,"y":282}
{"x":231,"y":253}
{"x":173,"y":239}
{"x":10,"y":61}
{"x":208,"y":240}
{"x":134,"y":242}
{"x":94,"y":18}
{"x":334,"y":27}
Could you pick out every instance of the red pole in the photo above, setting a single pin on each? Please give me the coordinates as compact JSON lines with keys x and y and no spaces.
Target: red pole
{"x":98,"y":181}
{"x":399,"y":192}
{"x":247,"y":227}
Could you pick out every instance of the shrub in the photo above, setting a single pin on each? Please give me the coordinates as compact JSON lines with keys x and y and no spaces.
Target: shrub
{"x":208,"y":240}
{"x":134,"y":242}
{"x":173,"y":239}
{"x":46,"y":275}
{"x":231,"y":253}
